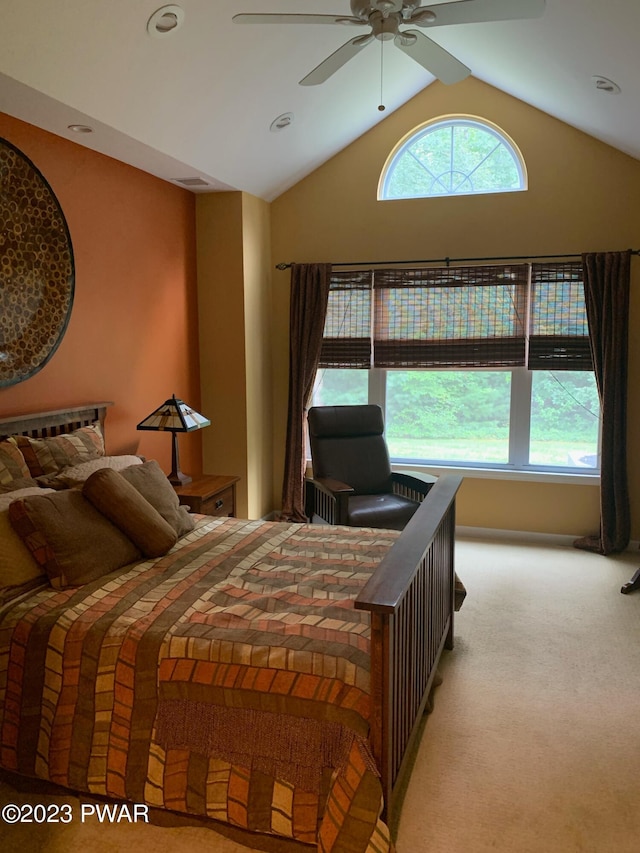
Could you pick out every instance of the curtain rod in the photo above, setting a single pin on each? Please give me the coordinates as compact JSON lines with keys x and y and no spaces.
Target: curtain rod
{"x":448,"y":261}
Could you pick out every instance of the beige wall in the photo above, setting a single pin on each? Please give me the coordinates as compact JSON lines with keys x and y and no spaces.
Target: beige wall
{"x":582,"y":196}
{"x":257,"y":307}
{"x":233,"y":241}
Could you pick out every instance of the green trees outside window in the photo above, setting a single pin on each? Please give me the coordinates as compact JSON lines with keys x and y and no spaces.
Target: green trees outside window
{"x":504,"y":418}
{"x":453,"y":156}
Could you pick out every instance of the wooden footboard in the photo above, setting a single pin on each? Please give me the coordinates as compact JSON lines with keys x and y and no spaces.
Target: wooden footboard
{"x":411,"y":600}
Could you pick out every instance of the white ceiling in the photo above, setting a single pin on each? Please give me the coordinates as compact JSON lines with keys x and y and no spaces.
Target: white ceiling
{"x":199,"y":103}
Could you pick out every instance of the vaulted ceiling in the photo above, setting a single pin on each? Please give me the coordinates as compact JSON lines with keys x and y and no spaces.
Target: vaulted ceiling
{"x":199,"y":103}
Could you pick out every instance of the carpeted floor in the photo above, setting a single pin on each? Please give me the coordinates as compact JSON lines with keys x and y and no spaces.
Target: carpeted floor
{"x":534,"y":742}
{"x":532,"y":746}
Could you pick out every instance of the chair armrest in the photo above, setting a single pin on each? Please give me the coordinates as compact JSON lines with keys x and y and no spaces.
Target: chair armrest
{"x":333,"y":486}
{"x":414,"y":485}
{"x":327,"y":499}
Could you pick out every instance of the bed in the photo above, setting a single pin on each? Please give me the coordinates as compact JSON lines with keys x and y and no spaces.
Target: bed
{"x":268,"y":675}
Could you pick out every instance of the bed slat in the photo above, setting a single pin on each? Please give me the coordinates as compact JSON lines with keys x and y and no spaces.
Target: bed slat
{"x":58,"y":422}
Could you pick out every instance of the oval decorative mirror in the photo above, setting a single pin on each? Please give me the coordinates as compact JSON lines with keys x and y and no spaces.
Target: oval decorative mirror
{"x":37,"y":273}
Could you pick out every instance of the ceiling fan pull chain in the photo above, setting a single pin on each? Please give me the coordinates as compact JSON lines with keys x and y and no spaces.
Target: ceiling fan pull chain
{"x":381,"y":106}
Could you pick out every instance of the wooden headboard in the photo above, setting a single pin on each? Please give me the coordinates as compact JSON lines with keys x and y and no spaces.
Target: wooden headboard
{"x":46,"y":424}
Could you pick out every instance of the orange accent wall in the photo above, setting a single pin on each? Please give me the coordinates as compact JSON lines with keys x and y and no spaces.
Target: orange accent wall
{"x":133,"y":333}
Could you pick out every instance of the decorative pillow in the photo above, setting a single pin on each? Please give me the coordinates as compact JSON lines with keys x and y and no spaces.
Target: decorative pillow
{"x":69,"y":538}
{"x":13,"y":465}
{"x":50,"y":455}
{"x":75,"y":475}
{"x":21,"y":483}
{"x":18,"y":570}
{"x":150,"y":480}
{"x":123,"y":505}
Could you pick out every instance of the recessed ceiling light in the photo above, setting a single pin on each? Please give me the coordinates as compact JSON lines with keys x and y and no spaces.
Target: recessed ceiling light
{"x":603,"y":84}
{"x":165,"y":21}
{"x":281,"y":122}
{"x":80,"y":128}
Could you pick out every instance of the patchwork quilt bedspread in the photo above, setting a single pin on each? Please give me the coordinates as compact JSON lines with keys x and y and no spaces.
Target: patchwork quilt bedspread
{"x":229,"y":678}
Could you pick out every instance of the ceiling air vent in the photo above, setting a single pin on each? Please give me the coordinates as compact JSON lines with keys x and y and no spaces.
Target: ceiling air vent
{"x":192,"y":182}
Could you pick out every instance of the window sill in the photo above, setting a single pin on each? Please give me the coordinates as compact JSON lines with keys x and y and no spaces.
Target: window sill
{"x":560,"y":477}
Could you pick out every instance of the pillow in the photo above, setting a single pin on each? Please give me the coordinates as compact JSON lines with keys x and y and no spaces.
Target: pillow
{"x":123,"y":505}
{"x":69,"y":538}
{"x":75,"y":475}
{"x":18,"y":570}
{"x":13,"y":465}
{"x":21,"y":483}
{"x":50,"y":455}
{"x":150,"y":480}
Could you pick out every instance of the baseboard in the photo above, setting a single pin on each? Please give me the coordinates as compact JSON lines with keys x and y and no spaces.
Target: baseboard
{"x":524,"y":536}
{"x":270,"y":516}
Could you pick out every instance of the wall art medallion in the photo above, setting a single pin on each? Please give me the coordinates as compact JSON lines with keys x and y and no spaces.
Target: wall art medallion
{"x":37,"y":273}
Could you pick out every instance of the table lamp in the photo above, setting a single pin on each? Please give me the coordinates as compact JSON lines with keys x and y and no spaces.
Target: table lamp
{"x":175,"y":416}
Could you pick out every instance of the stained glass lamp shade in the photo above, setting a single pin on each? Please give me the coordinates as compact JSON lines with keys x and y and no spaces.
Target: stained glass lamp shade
{"x":175,"y":416}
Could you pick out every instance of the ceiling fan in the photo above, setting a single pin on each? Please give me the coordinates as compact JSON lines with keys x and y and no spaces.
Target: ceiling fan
{"x":385,"y":17}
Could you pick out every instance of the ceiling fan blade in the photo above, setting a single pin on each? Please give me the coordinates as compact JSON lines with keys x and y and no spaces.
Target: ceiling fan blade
{"x":431,"y":56}
{"x":250,"y":18}
{"x":337,"y":59}
{"x":476,"y":12}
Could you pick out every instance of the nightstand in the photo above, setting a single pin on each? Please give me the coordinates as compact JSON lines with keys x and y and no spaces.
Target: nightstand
{"x":210,"y":494}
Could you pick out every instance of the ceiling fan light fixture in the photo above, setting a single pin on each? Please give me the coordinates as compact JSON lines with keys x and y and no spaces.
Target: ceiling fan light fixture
{"x":406,"y":39}
{"x":423,"y":16}
{"x":165,"y":21}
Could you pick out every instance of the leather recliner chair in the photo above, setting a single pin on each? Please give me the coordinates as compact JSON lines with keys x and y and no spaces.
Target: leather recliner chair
{"x":352,"y":482}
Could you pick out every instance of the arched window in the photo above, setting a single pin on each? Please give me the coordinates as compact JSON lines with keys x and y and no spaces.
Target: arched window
{"x":455,"y":155}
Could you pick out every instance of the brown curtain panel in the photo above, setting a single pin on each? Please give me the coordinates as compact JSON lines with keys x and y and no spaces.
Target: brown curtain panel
{"x":309,"y":297}
{"x":606,"y":286}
